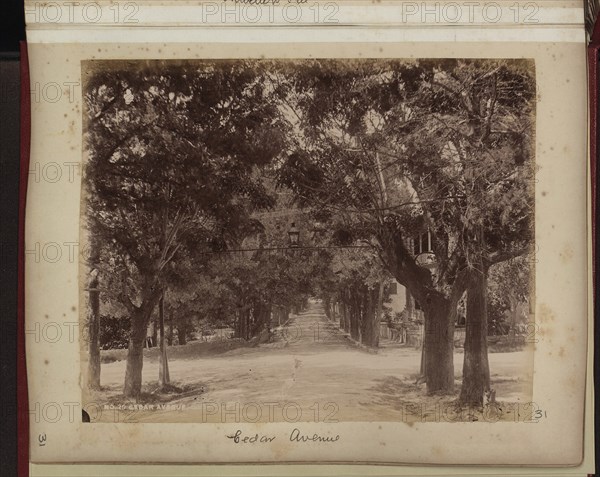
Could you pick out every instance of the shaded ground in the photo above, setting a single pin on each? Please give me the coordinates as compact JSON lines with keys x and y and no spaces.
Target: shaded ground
{"x":313,"y":374}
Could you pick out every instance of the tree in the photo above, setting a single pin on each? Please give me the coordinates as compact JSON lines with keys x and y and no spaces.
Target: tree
{"x":265,"y":276}
{"x":171,"y":151}
{"x":358,"y":285}
{"x":339,"y":167}
{"x":93,"y":327}
{"x":494,"y":102}
{"x":163,"y":371}
{"x":400,"y":147}
{"x":509,"y":290}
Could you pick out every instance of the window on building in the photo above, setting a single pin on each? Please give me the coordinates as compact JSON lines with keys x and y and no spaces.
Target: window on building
{"x":422,"y":243}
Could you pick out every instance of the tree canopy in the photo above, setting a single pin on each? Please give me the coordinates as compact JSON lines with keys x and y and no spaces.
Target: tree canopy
{"x":195,"y":170}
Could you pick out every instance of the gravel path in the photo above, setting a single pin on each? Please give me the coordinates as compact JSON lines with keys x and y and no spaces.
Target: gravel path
{"x":318,"y":376}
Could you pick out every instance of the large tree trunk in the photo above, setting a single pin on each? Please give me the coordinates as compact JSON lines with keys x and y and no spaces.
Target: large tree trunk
{"x":135,"y":357}
{"x":93,"y":323}
{"x":476,"y":370}
{"x":438,"y":343}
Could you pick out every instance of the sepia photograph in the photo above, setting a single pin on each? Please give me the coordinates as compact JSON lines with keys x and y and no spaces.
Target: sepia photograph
{"x":308,"y":240}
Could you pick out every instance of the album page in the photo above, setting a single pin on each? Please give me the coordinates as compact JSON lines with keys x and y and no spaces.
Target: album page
{"x":310,"y":233}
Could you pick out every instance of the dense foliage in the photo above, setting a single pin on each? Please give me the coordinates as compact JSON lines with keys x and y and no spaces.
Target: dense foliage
{"x":196,"y":170}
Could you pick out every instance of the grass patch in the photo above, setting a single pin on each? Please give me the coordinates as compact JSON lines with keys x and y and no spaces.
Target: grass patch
{"x":152,"y":393}
{"x":506,"y":344}
{"x":191,"y":350}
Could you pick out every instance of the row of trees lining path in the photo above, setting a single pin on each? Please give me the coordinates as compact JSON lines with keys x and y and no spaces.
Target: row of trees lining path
{"x":185,"y":160}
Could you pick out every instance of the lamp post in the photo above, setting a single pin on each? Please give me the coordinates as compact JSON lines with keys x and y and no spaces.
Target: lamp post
{"x":294,"y":235}
{"x":428,"y":260}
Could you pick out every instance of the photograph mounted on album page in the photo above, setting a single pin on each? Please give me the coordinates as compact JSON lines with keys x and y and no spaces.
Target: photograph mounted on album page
{"x":329,"y":244}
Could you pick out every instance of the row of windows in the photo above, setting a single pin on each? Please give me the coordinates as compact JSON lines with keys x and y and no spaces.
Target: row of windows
{"x":420,"y":243}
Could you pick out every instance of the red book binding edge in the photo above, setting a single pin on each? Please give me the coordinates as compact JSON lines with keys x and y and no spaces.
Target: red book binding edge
{"x":593,"y":51}
{"x":22,"y":399}
{"x":594,"y":86}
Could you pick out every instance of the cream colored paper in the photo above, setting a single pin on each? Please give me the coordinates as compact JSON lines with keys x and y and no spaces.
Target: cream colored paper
{"x":52,"y":267}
